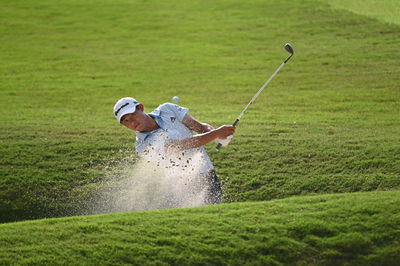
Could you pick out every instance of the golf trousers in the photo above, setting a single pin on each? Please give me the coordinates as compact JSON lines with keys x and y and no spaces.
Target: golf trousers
{"x":214,"y":194}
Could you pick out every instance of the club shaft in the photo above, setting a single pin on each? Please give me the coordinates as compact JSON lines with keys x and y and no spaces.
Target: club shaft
{"x":218,"y":147}
{"x":259,"y":91}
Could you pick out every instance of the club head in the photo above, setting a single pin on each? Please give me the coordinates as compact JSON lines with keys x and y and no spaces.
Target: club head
{"x":289,"y":48}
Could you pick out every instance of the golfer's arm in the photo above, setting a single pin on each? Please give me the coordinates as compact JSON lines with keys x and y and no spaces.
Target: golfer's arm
{"x":192,"y":142}
{"x":195,"y":125}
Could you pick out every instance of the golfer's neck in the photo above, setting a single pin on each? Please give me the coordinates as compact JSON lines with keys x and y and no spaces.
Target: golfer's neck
{"x":152,"y":124}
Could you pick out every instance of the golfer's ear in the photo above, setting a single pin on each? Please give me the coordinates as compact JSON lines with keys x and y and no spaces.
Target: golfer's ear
{"x":141,"y":107}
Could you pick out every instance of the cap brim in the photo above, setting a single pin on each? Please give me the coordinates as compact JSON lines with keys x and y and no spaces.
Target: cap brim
{"x":127,"y":110}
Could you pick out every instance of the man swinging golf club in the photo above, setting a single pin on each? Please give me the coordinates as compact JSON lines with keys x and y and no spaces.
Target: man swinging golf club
{"x":172,"y":126}
{"x":165,"y":139}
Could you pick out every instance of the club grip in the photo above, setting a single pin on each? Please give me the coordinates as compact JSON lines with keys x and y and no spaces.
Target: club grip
{"x":219,"y":145}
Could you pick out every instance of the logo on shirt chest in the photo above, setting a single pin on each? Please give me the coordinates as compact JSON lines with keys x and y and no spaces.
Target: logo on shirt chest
{"x":173,"y":119}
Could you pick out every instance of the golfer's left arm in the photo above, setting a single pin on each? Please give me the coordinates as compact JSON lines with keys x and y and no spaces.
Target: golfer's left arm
{"x":195,"y":125}
{"x":199,"y":140}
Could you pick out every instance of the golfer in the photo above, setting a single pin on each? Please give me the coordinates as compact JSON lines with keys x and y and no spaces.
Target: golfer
{"x":165,"y":139}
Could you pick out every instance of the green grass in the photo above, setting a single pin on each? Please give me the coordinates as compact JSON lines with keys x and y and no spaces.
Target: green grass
{"x":387,"y":11}
{"x":341,"y":229}
{"x":327,"y":123}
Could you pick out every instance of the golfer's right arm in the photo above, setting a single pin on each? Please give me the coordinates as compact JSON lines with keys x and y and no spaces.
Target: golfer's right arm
{"x":200,"y":139}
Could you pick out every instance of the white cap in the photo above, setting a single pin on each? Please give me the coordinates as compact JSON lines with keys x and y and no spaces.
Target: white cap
{"x":125,"y":106}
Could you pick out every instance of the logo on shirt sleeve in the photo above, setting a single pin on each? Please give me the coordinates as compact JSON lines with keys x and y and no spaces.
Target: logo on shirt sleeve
{"x":173,"y":119}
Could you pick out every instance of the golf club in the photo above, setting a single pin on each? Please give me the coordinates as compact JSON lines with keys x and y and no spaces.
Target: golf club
{"x":290,"y":50}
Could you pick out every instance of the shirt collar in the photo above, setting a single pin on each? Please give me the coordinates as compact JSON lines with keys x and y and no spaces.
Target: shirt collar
{"x":156,"y":114}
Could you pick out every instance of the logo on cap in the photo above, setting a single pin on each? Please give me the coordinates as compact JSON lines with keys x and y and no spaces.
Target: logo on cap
{"x":119,"y":109}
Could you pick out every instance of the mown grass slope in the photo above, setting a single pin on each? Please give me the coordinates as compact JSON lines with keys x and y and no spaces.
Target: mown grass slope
{"x":329,"y":122}
{"x":386,"y":11}
{"x":341,"y":229}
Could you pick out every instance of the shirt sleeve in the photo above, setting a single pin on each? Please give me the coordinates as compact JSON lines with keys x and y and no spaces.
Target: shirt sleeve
{"x":179,"y":111}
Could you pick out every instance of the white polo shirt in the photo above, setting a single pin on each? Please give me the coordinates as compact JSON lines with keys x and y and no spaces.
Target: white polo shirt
{"x":151,"y":145}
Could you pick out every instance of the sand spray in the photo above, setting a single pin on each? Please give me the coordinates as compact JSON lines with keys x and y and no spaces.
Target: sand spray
{"x":148,"y":183}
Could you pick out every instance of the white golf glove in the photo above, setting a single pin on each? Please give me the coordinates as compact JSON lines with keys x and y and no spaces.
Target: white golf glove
{"x":224,"y":142}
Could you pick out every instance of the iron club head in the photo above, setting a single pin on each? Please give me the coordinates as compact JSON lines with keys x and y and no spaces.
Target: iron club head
{"x":289,"y":48}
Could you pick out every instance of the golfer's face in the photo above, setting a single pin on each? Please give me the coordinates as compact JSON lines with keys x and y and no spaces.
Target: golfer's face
{"x":134,"y":121}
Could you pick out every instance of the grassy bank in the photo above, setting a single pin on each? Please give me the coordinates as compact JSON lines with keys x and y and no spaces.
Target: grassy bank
{"x":344,"y":229}
{"x":385,"y":11}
